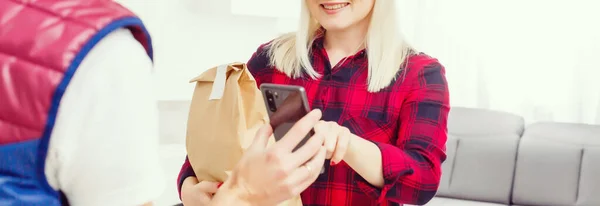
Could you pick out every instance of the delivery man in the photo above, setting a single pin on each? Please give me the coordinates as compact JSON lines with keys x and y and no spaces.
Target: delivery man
{"x":78,"y":121}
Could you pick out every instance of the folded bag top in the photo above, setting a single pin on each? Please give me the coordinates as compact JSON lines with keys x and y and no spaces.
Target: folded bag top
{"x":227,"y":107}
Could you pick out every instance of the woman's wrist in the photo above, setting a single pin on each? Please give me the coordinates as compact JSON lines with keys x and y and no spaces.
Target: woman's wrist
{"x":353,"y":150}
{"x":364,"y":157}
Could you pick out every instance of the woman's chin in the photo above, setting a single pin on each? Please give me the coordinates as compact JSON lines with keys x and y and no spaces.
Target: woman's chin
{"x":334,"y":27}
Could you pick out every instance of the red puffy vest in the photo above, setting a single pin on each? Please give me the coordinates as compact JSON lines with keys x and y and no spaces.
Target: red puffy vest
{"x":42,"y":44}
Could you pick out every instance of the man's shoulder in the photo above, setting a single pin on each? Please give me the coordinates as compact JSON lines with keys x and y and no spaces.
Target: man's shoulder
{"x":118,"y":52}
{"x":120,"y":41}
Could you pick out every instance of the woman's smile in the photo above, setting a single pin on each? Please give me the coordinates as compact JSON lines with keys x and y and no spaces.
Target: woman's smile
{"x":334,"y":7}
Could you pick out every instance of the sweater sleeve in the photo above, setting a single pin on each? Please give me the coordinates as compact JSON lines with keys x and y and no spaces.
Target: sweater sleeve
{"x":186,"y":171}
{"x":412,"y":165}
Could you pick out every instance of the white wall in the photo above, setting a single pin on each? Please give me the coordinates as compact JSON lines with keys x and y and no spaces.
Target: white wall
{"x":191,"y":36}
{"x":534,"y":58}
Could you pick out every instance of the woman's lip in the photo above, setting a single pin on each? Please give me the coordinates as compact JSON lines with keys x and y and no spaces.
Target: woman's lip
{"x":334,"y":3}
{"x":333,"y":11}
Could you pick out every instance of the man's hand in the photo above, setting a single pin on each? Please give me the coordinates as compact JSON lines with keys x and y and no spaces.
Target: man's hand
{"x":269,"y":176}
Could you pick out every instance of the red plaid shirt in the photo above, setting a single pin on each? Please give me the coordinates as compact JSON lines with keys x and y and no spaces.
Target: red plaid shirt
{"x":407,"y":120}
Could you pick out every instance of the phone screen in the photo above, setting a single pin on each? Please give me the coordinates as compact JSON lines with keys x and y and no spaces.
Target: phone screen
{"x":286,"y":107}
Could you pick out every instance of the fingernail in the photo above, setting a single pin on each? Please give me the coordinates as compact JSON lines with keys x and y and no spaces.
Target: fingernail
{"x":219,"y":185}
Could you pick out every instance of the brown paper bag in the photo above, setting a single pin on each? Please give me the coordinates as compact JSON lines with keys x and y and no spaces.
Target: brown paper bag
{"x":226,"y":112}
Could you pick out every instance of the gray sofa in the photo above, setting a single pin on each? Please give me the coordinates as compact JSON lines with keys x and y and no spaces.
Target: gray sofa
{"x":494,"y":159}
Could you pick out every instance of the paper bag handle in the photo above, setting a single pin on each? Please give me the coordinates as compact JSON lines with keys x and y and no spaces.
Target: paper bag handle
{"x":218,"y":87}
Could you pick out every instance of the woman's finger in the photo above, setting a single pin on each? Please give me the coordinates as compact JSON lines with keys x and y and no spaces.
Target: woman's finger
{"x":299,"y":131}
{"x":341,"y":147}
{"x":331,"y":136}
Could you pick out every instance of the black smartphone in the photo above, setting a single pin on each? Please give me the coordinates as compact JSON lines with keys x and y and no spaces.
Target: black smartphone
{"x":286,"y":105}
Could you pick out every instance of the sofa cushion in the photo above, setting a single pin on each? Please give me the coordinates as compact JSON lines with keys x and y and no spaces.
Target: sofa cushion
{"x":440,"y":201}
{"x":481,"y":152}
{"x":483,"y":168}
{"x":557,"y":164}
{"x":451,"y":145}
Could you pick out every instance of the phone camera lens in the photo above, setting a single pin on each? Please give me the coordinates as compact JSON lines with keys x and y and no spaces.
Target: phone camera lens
{"x":271,"y":101}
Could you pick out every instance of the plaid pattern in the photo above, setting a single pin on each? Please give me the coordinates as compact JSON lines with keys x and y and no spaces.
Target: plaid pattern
{"x":407,"y":120}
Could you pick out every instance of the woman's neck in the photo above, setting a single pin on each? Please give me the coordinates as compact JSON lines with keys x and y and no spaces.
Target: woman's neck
{"x":346,"y":42}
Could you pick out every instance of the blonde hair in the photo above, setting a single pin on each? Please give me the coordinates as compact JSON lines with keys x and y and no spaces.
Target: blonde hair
{"x":386,"y":48}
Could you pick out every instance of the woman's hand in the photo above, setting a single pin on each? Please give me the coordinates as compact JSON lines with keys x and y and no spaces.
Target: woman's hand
{"x":362,"y":155}
{"x":268,"y":176}
{"x":194,"y":193}
{"x":337,"y":140}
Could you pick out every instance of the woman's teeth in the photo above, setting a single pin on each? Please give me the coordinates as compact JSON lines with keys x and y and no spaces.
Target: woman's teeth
{"x":334,"y":6}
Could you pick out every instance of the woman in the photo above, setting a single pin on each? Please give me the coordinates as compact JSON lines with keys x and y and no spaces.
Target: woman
{"x":384,"y":105}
